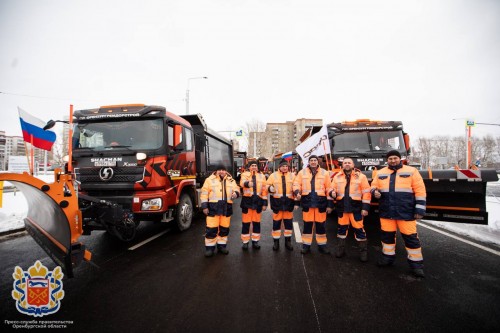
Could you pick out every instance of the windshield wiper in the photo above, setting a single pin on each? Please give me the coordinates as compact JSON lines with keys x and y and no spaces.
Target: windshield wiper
{"x":118,"y":146}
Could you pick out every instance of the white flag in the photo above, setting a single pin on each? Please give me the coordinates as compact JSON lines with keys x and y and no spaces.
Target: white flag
{"x":318,"y":144}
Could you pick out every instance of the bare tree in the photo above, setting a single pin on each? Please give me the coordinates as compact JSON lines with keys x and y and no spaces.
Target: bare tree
{"x":256,"y":131}
{"x":255,"y":125}
{"x":487,"y":147}
{"x":424,"y":146}
{"x":457,"y":151}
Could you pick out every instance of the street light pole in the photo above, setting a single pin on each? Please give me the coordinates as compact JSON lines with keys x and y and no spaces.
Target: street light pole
{"x":468,"y":141}
{"x":187,"y":90}
{"x":468,"y":138}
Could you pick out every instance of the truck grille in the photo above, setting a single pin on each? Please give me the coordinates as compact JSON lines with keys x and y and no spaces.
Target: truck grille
{"x":120,"y":175}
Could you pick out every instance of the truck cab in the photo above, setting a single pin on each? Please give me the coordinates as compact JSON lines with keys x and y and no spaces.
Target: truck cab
{"x":367,"y":142}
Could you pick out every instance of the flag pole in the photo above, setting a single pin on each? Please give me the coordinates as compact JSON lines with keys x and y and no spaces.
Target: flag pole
{"x":326,"y":156}
{"x":27,"y":154}
{"x":32,"y":165}
{"x":70,"y":140}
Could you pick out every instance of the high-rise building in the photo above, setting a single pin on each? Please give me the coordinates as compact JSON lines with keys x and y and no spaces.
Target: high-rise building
{"x":279,"y":137}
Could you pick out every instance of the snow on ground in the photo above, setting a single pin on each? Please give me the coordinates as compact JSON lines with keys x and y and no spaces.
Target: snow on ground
{"x":15,"y":208}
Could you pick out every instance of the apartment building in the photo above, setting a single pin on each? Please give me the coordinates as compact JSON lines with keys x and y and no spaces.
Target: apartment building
{"x":279,"y":137}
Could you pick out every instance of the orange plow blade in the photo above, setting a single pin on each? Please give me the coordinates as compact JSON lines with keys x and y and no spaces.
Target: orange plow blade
{"x":54,"y":219}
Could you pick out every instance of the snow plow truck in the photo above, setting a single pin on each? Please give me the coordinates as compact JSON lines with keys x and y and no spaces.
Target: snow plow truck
{"x":128,"y":163}
{"x":455,"y":195}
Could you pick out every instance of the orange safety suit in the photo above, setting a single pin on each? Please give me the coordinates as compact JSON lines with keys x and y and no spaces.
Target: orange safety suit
{"x":216,"y":196}
{"x":403,"y":195}
{"x":352,"y":196}
{"x":314,"y":188}
{"x":282,"y":202}
{"x":252,"y":202}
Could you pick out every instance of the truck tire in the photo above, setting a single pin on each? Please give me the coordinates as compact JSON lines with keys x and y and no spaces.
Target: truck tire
{"x":184,"y":213}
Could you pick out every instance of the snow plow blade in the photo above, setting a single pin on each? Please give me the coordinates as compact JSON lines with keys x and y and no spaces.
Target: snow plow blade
{"x":454,"y":195}
{"x":457,"y":195}
{"x":54,"y":219}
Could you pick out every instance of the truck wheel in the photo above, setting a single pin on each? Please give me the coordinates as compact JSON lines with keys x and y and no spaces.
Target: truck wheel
{"x":184,"y":214}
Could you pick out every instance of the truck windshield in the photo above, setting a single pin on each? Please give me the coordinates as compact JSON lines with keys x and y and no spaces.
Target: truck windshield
{"x":131,"y":134}
{"x":352,"y":142}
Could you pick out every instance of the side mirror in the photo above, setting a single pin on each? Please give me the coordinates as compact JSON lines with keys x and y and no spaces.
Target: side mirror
{"x":49,"y":125}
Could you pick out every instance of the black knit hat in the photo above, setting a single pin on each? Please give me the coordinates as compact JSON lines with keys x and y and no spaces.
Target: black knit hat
{"x":250,"y":162}
{"x":221,"y":167}
{"x":313,"y":156}
{"x":284,"y":162}
{"x":393,"y":153}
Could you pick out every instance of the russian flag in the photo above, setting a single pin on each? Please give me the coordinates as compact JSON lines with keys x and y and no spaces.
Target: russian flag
{"x":287,"y":156}
{"x":33,"y":131}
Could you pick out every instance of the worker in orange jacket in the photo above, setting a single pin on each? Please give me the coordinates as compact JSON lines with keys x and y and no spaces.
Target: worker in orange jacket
{"x":253,"y":202}
{"x":216,"y":198}
{"x":352,"y":194}
{"x":280,"y":188}
{"x":402,"y":200}
{"x":311,"y":187}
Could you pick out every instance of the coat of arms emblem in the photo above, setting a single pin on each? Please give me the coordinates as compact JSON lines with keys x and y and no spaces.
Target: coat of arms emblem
{"x":38,"y":291}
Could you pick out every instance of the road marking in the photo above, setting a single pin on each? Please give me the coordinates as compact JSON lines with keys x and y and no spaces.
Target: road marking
{"x":461,"y":239}
{"x":298,"y":235}
{"x":147,"y":240}
{"x":310,"y":292}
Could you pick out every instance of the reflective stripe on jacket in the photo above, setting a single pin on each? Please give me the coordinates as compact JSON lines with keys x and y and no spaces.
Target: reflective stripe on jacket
{"x":253,"y":198}
{"x":216,"y":195}
{"x":282,"y":198}
{"x":314,"y":194}
{"x":403,"y":193}
{"x":359,"y":191}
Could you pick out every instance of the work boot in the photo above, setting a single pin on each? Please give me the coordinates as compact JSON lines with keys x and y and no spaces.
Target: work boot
{"x":255,"y":245}
{"x":222,"y":249}
{"x":288,"y":243}
{"x":305,"y":249}
{"x":418,"y":272}
{"x":323,"y":249}
{"x":363,"y":251}
{"x":340,"y":249}
{"x":383,"y":261}
{"x":245,"y":246}
{"x":276,"y":245}
{"x":209,"y":252}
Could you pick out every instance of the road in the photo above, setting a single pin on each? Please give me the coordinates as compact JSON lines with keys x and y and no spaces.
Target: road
{"x":167,"y":285}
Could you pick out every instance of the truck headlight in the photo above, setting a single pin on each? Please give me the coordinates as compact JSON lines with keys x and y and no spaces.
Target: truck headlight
{"x":140,"y":156}
{"x":151,"y":204}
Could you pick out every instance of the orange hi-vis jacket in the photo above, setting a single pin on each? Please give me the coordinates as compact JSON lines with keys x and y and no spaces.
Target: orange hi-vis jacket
{"x":254,"y":197}
{"x":314,"y":189}
{"x":359,"y":191}
{"x":216,"y":195}
{"x":403,"y":192}
{"x":282,"y":197}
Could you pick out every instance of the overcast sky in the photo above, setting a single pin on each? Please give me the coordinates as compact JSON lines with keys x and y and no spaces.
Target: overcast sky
{"x":423,"y":62}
